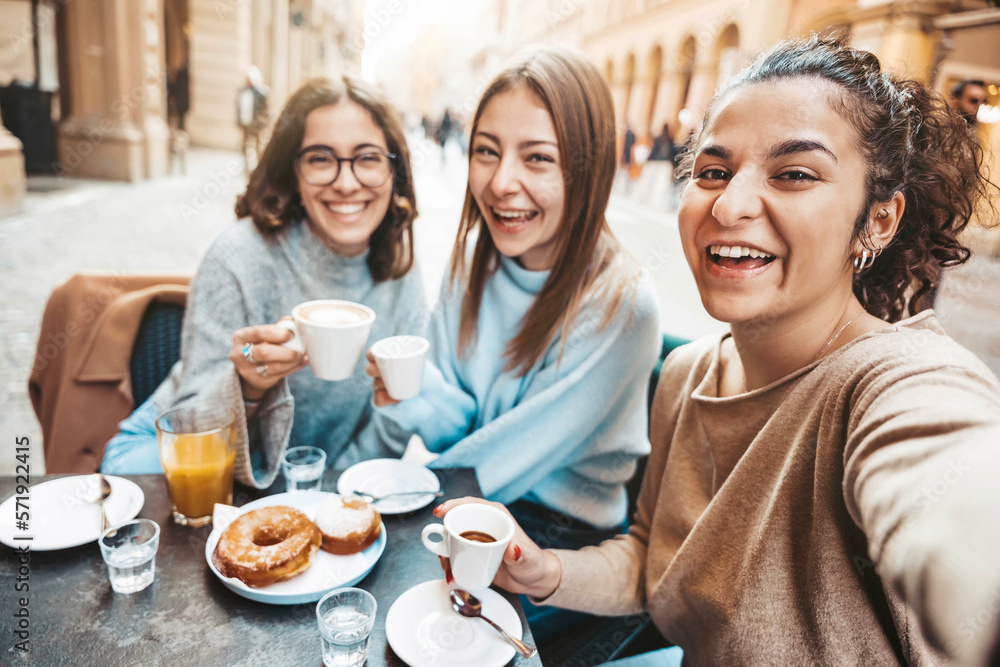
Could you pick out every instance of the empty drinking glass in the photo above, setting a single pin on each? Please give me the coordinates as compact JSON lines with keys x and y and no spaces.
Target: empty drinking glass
{"x":130,"y":552}
{"x":346,"y":617}
{"x":303,"y":468}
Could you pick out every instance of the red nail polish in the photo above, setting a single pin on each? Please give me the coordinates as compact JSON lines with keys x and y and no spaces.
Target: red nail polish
{"x":517,"y":552}
{"x":438,"y":508}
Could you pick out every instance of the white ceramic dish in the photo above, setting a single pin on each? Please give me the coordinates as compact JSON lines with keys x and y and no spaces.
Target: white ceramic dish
{"x":424,"y":631}
{"x":327,"y":572}
{"x":59,"y":517}
{"x":382,"y":476}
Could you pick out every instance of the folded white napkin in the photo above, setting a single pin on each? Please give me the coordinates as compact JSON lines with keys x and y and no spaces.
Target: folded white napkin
{"x":223,"y":515}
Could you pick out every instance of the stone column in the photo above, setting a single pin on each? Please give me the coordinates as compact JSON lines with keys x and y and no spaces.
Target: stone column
{"x":703,"y":82}
{"x":115,"y":122}
{"x":902,"y":35}
{"x":220,"y":55}
{"x":279,"y":54}
{"x":13,"y":183}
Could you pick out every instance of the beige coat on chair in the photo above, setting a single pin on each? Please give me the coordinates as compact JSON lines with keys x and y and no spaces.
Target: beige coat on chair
{"x":80,"y":384}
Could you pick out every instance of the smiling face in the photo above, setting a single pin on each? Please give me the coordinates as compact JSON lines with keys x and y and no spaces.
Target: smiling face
{"x":345,"y":213}
{"x":516,"y":178}
{"x":766,"y":222}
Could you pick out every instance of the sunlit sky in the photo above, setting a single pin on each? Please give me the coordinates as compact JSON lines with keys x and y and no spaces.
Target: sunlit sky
{"x":392,"y":25}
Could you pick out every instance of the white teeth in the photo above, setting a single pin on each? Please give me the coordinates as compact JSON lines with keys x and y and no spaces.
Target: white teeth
{"x":737,"y":251}
{"x":512,"y":214}
{"x":345,"y":209}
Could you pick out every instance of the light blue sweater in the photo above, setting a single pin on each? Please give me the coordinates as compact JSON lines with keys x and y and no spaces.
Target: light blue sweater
{"x":567,"y":434}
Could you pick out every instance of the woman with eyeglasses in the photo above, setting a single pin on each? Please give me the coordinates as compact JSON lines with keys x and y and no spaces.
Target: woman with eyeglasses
{"x":327,"y":214}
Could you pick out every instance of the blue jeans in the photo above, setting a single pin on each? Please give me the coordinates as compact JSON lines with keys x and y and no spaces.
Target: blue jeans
{"x":665,"y":657}
{"x":134,"y":449}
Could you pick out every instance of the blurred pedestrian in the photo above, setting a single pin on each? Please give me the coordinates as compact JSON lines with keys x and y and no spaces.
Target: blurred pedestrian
{"x":663,"y":145}
{"x":967,"y":96}
{"x":443,"y":132}
{"x":251,"y":115}
{"x":627,"y":147}
{"x":178,"y":95}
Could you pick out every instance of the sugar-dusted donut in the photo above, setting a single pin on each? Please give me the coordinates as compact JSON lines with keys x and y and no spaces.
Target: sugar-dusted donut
{"x":267,"y":545}
{"x":348,"y":525}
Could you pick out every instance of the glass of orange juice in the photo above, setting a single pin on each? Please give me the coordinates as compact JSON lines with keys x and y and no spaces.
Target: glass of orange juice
{"x":198,"y":453}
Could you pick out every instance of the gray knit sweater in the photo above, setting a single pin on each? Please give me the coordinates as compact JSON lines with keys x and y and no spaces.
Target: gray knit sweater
{"x":245,"y":280}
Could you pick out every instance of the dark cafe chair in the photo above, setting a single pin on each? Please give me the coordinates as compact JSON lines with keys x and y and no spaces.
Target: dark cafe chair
{"x":106,"y":342}
{"x":598,"y":640}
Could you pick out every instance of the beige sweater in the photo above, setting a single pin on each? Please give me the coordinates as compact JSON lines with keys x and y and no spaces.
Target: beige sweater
{"x":761,"y":515}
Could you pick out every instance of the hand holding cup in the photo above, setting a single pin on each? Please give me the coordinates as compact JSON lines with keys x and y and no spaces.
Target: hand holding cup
{"x":396,"y":365}
{"x":333,"y":333}
{"x":264,"y":345}
{"x":525,"y":567}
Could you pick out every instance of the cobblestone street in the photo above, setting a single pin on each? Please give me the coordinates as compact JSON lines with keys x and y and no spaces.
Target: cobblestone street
{"x":165,"y":226}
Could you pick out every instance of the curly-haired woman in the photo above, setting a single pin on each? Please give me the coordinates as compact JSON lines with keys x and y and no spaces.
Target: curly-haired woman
{"x":822,"y":488}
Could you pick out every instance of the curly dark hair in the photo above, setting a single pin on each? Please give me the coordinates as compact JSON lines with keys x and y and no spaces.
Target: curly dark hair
{"x":272,"y":199}
{"x":915,"y":143}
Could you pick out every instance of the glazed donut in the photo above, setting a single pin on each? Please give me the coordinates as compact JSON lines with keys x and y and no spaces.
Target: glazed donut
{"x":267,"y":545}
{"x":348,"y":525}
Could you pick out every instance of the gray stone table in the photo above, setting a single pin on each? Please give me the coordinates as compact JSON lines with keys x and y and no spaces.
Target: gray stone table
{"x":187,"y":617}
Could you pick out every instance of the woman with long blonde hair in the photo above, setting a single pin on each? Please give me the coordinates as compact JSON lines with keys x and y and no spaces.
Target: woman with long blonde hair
{"x":545,"y":335}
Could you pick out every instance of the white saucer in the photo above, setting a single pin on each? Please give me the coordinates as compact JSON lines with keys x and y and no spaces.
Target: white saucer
{"x":424,"y":631}
{"x":328,"y":571}
{"x":381,"y":476}
{"x":60,"y":518}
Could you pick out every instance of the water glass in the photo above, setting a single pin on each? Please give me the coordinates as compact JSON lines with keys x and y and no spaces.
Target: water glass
{"x":303,"y":468}
{"x":130,"y":552}
{"x":346,"y":617}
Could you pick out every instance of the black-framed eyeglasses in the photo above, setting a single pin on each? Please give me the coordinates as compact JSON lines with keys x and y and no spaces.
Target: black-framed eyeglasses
{"x":320,"y":166}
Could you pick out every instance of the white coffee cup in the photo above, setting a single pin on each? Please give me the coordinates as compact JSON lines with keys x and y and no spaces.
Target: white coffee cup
{"x":473,"y":563}
{"x":334,"y":334}
{"x":400,"y":361}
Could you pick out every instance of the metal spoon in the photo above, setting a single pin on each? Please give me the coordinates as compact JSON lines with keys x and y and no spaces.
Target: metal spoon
{"x":369,"y":498}
{"x":98,"y":490}
{"x":468,"y":605}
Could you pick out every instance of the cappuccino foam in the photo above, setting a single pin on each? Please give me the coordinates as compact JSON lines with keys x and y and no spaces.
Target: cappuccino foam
{"x":333,"y":314}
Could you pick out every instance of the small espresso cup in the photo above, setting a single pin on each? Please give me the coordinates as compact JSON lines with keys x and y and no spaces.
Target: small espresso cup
{"x":333,"y":333}
{"x":473,"y":538}
{"x":400,"y":361}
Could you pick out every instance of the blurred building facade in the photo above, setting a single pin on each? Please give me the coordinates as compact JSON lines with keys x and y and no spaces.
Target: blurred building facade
{"x":100,"y":70}
{"x":664,"y":59}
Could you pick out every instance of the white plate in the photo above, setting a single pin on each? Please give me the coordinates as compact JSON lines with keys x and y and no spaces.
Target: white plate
{"x":424,"y":631}
{"x":60,"y":518}
{"x":328,"y":571}
{"x":381,"y":476}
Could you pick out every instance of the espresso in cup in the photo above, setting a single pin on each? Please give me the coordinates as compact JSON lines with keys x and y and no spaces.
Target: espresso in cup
{"x":473,"y":540}
{"x":332,"y":313}
{"x":478,"y":536}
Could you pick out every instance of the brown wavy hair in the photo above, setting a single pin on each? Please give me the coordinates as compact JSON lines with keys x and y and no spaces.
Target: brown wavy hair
{"x":913,"y":142}
{"x":272,"y":199}
{"x":590,"y":263}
